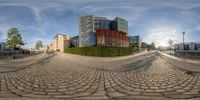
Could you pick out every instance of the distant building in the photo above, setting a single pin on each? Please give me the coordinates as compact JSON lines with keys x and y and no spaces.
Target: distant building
{"x":188,"y":47}
{"x":5,"y":50}
{"x":51,"y":47}
{"x":74,"y":41}
{"x":3,"y":46}
{"x":89,"y":24}
{"x":135,"y":40}
{"x":60,"y":42}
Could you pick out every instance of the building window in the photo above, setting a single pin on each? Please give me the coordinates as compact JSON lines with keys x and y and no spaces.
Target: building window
{"x":197,"y":47}
{"x":186,"y":47}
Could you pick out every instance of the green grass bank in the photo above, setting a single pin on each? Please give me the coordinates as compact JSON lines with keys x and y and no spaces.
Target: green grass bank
{"x":102,"y":51}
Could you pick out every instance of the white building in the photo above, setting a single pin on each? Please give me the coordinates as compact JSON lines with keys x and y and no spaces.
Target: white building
{"x":60,"y":42}
{"x":188,"y":47}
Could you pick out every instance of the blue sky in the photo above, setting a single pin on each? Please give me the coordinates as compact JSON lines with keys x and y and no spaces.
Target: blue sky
{"x":154,"y":20}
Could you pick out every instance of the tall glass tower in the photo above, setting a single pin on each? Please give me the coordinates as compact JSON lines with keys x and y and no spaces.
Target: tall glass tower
{"x":87,"y":27}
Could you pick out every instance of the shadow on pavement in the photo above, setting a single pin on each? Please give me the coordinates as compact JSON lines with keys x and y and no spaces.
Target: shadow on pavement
{"x":142,"y":64}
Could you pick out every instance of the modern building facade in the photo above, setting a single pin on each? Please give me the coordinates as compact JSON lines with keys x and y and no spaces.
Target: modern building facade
{"x":119,"y":24}
{"x":89,"y":24}
{"x":60,"y":42}
{"x":188,"y":47}
{"x":135,"y":40}
{"x":106,"y":37}
{"x":86,"y":31}
{"x":74,"y":41}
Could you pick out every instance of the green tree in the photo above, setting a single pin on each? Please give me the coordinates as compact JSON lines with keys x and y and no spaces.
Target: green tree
{"x":14,"y":39}
{"x":170,"y":42}
{"x":38,"y":44}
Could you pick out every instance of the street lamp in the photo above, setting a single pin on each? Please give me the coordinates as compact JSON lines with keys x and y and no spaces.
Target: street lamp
{"x":183,"y":42}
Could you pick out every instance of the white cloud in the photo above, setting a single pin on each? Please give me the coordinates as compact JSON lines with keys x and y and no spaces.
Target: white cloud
{"x":129,"y":9}
{"x":161,"y":35}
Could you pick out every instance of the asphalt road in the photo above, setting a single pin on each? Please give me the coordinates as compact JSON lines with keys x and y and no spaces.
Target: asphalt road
{"x":150,"y":75}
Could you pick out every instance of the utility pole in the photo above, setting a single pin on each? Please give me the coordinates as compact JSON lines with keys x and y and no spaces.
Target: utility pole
{"x":183,"y":42}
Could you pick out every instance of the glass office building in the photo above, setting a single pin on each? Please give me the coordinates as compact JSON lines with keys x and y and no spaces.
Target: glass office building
{"x":122,"y":24}
{"x":119,"y":24}
{"x":89,"y":24}
{"x":74,"y":41}
{"x":134,"y":39}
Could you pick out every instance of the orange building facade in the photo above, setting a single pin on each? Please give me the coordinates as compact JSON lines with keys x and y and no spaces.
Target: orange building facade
{"x":106,"y":37}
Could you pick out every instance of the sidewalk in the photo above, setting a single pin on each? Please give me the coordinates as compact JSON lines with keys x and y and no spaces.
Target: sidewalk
{"x":15,"y":64}
{"x":108,"y":59}
{"x":182,"y":59}
{"x":187,"y":64}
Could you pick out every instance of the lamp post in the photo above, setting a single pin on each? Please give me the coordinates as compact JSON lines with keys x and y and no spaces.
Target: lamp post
{"x":183,"y":42}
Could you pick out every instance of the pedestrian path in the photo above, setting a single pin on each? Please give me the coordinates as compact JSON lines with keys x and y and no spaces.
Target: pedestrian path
{"x":16,"y":64}
{"x":182,"y":59}
{"x":147,"y":77}
{"x":191,"y":65}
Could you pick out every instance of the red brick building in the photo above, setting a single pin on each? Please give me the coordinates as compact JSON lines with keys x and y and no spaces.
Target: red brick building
{"x":106,"y":37}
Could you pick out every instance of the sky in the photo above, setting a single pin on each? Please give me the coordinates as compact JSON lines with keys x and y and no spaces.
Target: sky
{"x":153,"y":20}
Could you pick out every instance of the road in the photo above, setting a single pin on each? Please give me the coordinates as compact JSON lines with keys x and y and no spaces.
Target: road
{"x":149,"y":76}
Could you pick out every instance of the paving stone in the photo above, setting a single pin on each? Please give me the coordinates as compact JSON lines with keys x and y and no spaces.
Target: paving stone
{"x":61,"y":78}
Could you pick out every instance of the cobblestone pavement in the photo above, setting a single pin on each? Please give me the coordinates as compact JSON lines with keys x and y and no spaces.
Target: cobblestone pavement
{"x":17,"y":64}
{"x":66,"y":76}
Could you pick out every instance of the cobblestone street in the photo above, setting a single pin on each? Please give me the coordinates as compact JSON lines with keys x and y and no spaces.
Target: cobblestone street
{"x":65,"y":76}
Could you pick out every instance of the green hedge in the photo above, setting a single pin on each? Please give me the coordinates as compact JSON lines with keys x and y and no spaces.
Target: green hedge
{"x":102,"y":51}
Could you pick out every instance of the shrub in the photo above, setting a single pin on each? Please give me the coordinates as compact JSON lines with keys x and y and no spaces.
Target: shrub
{"x":102,"y":51}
